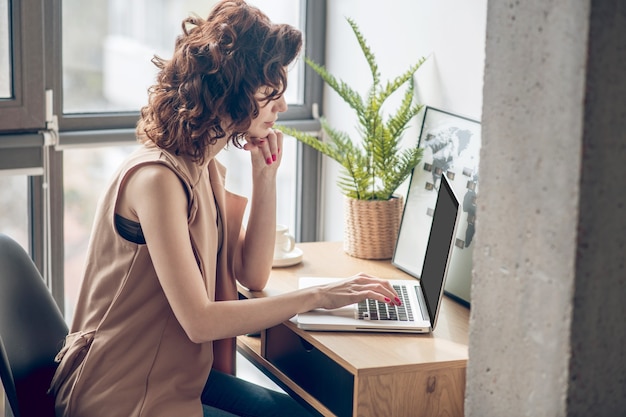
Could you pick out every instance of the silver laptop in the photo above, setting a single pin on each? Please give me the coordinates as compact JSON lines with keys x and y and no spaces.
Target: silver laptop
{"x":421,"y":299}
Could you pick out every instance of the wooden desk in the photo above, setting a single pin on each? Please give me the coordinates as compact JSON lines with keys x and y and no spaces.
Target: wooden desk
{"x":362,"y":374}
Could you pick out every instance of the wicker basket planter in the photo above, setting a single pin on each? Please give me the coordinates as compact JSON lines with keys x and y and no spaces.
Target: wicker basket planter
{"x":372,"y":227}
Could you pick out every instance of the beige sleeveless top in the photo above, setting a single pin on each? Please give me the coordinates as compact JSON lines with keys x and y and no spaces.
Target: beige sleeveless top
{"x":126,"y":354}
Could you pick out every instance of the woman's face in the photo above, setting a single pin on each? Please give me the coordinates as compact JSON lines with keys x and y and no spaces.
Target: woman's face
{"x":268,"y":113}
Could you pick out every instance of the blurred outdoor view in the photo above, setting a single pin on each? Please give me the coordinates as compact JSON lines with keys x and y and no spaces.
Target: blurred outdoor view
{"x":14,"y":207}
{"x":108,"y":45}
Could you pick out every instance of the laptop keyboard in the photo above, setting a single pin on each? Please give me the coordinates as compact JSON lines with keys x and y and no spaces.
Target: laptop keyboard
{"x":375,"y":310}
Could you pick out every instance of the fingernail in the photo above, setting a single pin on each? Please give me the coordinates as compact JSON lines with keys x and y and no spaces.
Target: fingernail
{"x":273,"y":157}
{"x":387,"y":300}
{"x":269,"y":161}
{"x":398,"y":301}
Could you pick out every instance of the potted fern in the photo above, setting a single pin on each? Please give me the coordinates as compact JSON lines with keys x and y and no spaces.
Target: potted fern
{"x":374,"y":167}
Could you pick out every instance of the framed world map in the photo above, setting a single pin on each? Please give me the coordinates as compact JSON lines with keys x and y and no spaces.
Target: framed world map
{"x":451,"y":145}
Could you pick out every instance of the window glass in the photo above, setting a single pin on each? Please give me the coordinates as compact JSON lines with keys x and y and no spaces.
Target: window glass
{"x":5,"y":55}
{"x":108,"y":46}
{"x":14,"y":203}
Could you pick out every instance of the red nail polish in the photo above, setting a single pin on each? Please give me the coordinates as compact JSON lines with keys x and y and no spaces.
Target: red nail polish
{"x":269,"y":161}
{"x":398,"y":301}
{"x":387,"y":300}
{"x":273,"y":157}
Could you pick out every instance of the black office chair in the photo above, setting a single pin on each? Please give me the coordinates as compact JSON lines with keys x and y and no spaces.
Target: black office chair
{"x":32,"y":331}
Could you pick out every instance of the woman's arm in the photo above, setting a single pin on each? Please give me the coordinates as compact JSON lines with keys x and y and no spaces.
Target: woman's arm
{"x":155,"y":196}
{"x":253,"y":262}
{"x":232,"y":318}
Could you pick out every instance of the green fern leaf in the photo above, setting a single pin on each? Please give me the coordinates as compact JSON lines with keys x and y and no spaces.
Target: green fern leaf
{"x":375,"y":166}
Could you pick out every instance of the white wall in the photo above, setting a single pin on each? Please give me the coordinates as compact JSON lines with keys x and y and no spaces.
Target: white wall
{"x":451,"y":33}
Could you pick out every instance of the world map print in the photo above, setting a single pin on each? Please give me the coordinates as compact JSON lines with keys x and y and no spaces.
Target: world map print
{"x":451,"y":147}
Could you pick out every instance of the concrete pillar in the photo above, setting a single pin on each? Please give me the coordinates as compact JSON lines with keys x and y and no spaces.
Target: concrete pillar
{"x":548,"y":318}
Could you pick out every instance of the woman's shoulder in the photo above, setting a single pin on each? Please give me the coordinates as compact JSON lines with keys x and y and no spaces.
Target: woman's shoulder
{"x":151,"y":161}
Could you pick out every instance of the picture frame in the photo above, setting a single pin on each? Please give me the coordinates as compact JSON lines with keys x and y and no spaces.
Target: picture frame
{"x":451,"y":147}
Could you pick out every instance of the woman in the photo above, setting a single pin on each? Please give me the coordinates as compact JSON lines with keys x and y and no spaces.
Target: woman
{"x":154,"y":327}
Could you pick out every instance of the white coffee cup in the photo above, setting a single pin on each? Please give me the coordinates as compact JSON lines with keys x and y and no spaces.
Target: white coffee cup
{"x":285,"y":242}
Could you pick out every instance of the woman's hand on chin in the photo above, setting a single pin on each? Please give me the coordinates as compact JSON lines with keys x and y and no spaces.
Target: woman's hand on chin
{"x":265,"y":152}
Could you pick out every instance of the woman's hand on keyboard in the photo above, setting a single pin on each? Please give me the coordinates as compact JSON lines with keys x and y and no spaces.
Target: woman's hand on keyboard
{"x":357,"y":288}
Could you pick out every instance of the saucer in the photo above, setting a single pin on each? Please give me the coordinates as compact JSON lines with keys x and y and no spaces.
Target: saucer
{"x":289,"y":259}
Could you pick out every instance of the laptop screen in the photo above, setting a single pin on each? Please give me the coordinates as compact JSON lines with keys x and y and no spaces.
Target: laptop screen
{"x":439,"y":246}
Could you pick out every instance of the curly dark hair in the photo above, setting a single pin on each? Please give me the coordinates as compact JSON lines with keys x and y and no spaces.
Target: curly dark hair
{"x":206,"y":90}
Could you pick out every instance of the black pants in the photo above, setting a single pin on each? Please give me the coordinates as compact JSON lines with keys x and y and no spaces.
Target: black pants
{"x":227,"y":396}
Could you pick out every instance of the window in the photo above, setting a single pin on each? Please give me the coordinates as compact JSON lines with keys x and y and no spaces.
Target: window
{"x":22,"y":102}
{"x":5,"y":57}
{"x":108,"y":45}
{"x":22,"y":113}
{"x":97,"y":69}
{"x":14,"y":203}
